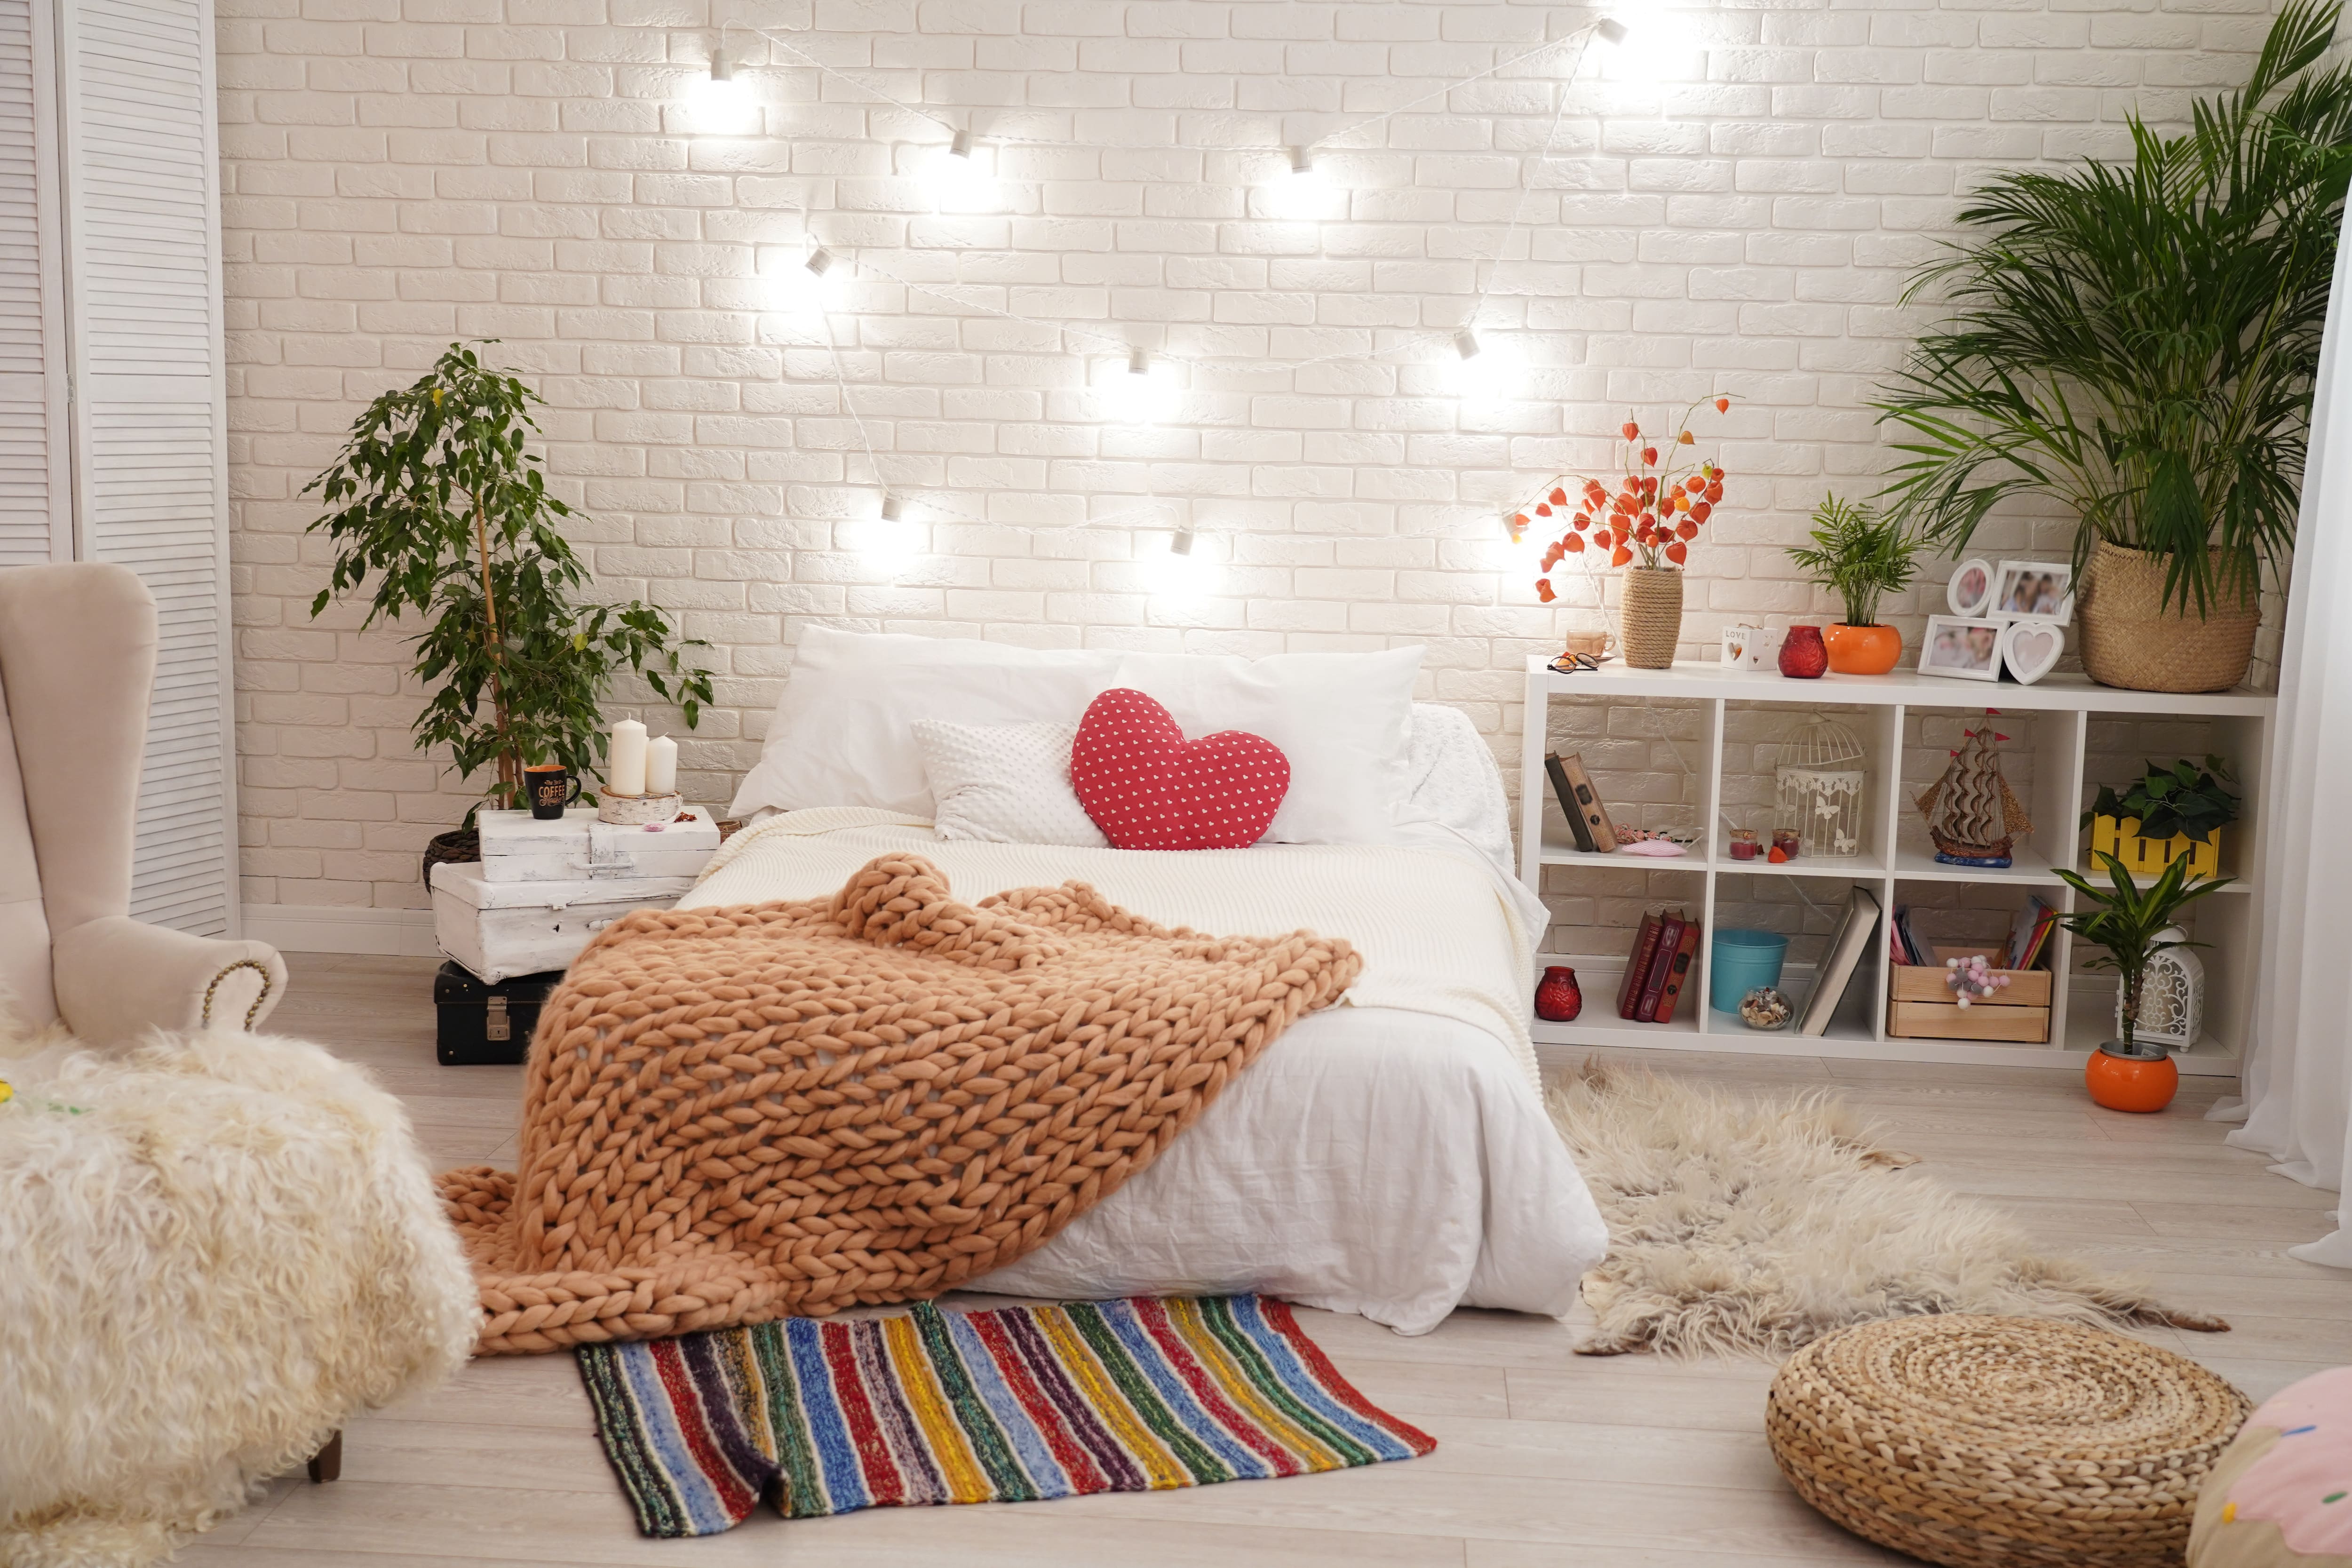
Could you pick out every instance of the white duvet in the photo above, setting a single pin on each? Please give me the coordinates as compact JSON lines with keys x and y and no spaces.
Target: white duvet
{"x":1389,"y":1156}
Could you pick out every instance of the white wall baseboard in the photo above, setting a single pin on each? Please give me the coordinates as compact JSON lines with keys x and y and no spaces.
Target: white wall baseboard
{"x":332,"y":927}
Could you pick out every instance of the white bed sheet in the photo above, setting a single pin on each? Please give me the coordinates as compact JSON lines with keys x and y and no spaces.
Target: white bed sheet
{"x":1382,"y":1160}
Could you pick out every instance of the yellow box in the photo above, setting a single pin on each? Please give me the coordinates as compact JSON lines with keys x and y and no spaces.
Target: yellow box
{"x":2145,"y":858}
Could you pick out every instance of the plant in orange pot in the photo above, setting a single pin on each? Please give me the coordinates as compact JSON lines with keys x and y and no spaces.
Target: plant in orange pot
{"x":2133,"y":925}
{"x":1860,"y":555}
{"x":1645,"y":524}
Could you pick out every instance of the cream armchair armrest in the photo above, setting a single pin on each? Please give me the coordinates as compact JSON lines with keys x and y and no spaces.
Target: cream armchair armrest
{"x":117,"y":978}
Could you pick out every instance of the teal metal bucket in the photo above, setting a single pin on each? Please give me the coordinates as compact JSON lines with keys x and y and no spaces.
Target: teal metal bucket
{"x":1743,"y":960}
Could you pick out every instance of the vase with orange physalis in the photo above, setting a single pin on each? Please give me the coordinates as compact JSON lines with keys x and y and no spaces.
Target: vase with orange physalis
{"x":1642,"y":516}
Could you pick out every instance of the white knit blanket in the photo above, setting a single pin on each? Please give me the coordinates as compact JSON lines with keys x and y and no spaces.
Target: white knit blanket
{"x":1436,"y":930}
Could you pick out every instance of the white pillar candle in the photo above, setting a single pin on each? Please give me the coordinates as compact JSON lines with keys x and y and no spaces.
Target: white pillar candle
{"x":625,"y":765}
{"x":661,"y":766}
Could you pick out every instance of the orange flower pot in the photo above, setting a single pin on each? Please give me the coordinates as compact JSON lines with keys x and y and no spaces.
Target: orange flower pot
{"x":2130,"y":1083}
{"x":1863,"y":650}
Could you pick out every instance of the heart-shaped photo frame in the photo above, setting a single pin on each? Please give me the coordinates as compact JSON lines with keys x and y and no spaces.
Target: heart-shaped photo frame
{"x":2030,"y":649}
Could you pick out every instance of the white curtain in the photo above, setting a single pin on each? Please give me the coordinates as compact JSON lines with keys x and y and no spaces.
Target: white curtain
{"x":2298,"y":1073}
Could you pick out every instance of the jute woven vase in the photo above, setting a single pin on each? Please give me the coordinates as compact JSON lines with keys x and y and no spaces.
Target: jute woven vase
{"x":1650,"y":613}
{"x":1982,"y":1442}
{"x":2130,"y":639}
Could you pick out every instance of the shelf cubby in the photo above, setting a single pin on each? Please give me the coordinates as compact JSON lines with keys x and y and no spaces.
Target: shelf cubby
{"x":1718,"y":728}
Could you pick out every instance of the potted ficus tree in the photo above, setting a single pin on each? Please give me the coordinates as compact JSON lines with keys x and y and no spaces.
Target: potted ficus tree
{"x":2132,"y":925}
{"x":437,"y":503}
{"x":1861,"y":555}
{"x":2135,"y":342}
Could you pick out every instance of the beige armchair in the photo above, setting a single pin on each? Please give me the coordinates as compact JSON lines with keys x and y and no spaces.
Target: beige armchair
{"x":77,"y":662}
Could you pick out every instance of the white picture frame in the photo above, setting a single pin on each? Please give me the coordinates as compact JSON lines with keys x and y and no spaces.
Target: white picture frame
{"x":2033,"y":591}
{"x":1961,"y":648}
{"x":2029,"y":649}
{"x":1969,"y":591}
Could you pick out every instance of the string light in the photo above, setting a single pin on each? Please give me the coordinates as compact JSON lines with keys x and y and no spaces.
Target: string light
{"x":1141,"y":390}
{"x":1183,"y":571}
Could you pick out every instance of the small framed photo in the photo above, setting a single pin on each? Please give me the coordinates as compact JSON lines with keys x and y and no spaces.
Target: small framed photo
{"x":1967,"y":647}
{"x":1969,"y":592}
{"x":2034,"y":590}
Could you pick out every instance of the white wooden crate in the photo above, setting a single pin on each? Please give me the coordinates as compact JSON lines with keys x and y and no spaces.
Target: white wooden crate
{"x":518,"y":847}
{"x":500,"y":930}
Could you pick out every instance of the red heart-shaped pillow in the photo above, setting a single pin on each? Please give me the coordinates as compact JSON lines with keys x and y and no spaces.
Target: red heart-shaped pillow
{"x":1148,"y":787}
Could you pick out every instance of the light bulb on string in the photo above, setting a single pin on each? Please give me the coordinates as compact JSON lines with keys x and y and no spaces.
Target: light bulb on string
{"x":895,"y":539}
{"x":1139,"y":391}
{"x":1298,"y":189}
{"x":721,"y":103}
{"x":1486,"y":369}
{"x":960,"y":177}
{"x":1184,"y":569}
{"x":797,"y":286}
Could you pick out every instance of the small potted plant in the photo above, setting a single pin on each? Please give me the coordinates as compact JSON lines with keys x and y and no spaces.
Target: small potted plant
{"x":2132,"y":925}
{"x":2166,"y":815}
{"x":1859,"y":554}
{"x":1644,"y":519}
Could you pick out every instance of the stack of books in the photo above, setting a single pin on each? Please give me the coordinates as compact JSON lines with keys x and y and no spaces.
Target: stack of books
{"x":1664,"y":954}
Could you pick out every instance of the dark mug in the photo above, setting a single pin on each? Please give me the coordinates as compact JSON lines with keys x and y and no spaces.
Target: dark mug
{"x":550,"y":788}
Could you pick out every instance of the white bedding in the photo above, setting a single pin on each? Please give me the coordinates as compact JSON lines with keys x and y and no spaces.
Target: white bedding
{"x":1389,"y":1156}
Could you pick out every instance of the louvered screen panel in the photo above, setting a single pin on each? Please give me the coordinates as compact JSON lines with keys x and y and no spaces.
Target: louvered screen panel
{"x":143,"y":265}
{"x":35,"y":514}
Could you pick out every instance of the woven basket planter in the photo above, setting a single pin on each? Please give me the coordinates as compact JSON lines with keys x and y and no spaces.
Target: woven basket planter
{"x":1650,"y":616}
{"x":1984,"y":1442}
{"x":2130,"y":639}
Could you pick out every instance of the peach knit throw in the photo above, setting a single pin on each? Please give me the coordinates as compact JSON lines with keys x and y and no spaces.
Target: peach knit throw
{"x":736,"y":1114}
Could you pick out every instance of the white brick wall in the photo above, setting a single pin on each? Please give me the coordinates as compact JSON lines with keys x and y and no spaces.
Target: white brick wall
{"x":1749,"y":184}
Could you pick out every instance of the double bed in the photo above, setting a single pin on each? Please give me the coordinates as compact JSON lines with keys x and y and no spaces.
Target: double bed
{"x":1389,"y":1156}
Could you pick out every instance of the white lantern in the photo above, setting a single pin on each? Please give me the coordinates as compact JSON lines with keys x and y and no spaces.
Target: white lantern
{"x":1818,"y":789}
{"x":2171,"y":997}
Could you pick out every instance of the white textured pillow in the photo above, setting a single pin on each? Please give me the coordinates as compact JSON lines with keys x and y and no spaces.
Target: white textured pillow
{"x":1343,"y":719}
{"x":1007,"y":784}
{"x":843,"y":733}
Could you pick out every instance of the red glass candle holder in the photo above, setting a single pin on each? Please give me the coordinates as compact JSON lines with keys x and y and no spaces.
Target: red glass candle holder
{"x":1786,"y":839}
{"x":1804,"y":655}
{"x":1743,"y":843}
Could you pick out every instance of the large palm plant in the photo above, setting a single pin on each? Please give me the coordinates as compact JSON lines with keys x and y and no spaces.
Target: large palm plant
{"x":2138,"y":341}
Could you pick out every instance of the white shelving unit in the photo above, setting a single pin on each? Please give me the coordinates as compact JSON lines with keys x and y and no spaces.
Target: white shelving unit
{"x":2055,"y":715}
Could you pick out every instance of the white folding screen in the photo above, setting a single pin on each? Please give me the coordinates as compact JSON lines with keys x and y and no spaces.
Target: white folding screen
{"x":36,"y":496}
{"x":138,"y":166}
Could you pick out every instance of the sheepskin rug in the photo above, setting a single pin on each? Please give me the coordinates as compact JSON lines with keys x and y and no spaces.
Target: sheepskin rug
{"x":218,"y":1248}
{"x":1752,"y":1227}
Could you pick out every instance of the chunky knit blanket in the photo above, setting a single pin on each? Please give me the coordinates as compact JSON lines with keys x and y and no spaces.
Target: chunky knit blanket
{"x":743,"y":1112}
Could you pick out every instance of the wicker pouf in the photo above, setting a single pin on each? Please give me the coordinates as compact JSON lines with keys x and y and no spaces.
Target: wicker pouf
{"x":1988,"y":1442}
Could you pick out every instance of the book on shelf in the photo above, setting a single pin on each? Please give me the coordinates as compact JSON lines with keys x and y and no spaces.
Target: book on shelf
{"x":1677,"y":966}
{"x":1566,"y":793}
{"x":1587,"y":802}
{"x":1842,"y":960}
{"x":1661,"y":963}
{"x":1637,"y":963}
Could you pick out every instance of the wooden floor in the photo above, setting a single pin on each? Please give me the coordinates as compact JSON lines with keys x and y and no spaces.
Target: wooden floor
{"x":1544,"y":1459}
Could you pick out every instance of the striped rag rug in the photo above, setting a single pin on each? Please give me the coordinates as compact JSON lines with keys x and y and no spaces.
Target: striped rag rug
{"x":826,"y":1415}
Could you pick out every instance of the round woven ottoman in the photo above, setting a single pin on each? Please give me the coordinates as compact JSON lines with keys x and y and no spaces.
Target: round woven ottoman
{"x":1995,"y":1442}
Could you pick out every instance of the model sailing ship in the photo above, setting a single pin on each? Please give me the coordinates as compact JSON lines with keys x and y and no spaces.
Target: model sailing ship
{"x":1973,"y":816}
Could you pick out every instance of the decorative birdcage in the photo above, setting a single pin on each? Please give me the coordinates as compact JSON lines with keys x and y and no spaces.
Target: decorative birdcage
{"x":2171,"y":997}
{"x":1818,"y":789}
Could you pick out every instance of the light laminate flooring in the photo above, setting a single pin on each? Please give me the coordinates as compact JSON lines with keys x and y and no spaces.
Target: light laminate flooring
{"x":1544,"y":1459}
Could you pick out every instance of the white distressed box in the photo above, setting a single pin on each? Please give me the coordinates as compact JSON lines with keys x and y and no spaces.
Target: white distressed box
{"x":518,"y":847}
{"x":500,"y":930}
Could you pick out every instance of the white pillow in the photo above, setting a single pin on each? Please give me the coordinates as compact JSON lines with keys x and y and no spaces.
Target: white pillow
{"x":1007,"y":784}
{"x":1344,"y":719}
{"x":843,"y":733}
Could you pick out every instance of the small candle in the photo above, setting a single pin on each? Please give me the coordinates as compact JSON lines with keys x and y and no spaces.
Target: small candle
{"x":661,"y":766}
{"x":625,"y":765}
{"x":1743,"y":843}
{"x":1786,"y":839}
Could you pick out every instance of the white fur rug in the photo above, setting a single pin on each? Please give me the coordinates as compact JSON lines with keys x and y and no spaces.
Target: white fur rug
{"x":1752,"y":1227}
{"x":217,"y":1250}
